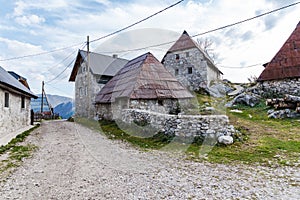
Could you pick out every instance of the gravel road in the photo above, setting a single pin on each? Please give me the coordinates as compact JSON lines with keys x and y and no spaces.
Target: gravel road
{"x":74,"y":162}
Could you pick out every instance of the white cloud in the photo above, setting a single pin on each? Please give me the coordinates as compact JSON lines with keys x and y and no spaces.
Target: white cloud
{"x":29,"y":20}
{"x":59,"y":23}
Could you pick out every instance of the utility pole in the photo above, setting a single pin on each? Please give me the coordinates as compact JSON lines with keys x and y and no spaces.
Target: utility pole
{"x":88,"y":77}
{"x":42,"y":96}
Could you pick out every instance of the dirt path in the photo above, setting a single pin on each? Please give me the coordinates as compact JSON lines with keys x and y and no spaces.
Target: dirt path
{"x":74,"y":162}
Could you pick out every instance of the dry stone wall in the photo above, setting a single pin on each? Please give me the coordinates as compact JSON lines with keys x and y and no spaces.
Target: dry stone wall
{"x":281,"y":87}
{"x":212,"y":126}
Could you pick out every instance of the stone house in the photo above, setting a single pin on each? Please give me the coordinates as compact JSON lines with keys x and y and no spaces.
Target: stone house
{"x":143,"y":83}
{"x":89,"y":81}
{"x":190,"y":64}
{"x":282,"y":74}
{"x":15,"y":99}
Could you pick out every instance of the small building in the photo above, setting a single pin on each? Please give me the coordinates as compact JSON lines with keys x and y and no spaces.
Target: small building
{"x":89,"y":81}
{"x":15,"y":97}
{"x":282,"y":74}
{"x":190,"y":64}
{"x":143,"y":83}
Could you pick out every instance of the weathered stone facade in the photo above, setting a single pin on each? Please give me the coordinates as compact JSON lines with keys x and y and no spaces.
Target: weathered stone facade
{"x":165,"y":106}
{"x":212,"y":126}
{"x":13,"y":117}
{"x":86,"y":89}
{"x":281,"y":87}
{"x":192,"y":68}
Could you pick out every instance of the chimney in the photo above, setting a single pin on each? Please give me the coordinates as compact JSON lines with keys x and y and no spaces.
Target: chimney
{"x":115,"y":56}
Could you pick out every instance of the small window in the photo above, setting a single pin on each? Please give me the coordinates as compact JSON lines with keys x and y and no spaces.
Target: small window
{"x":295,"y":45}
{"x":160,"y":102}
{"x":190,"y":70}
{"x":80,"y":92}
{"x":176,"y":72}
{"x":86,"y":91}
{"x":6,"y":99}
{"x":177,"y":56}
{"x":22,"y":102}
{"x":187,"y":54}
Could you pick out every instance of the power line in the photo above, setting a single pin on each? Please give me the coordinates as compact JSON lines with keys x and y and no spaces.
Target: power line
{"x":61,"y":72}
{"x":138,"y":22}
{"x":110,"y":34}
{"x":206,"y":32}
{"x":245,"y":20}
{"x":42,"y":53}
{"x":249,"y":66}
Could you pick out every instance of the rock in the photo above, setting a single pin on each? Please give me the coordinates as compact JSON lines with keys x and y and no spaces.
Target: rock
{"x":225,"y":139}
{"x":219,"y":89}
{"x":238,"y":90}
{"x":280,"y":114}
{"x":244,"y":98}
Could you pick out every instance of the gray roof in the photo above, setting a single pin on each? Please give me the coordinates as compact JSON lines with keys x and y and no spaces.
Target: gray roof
{"x":99,"y":64}
{"x":9,"y":81}
{"x":143,"y":78}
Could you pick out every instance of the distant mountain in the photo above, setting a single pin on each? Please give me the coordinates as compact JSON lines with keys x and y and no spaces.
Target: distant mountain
{"x":64,"y":106}
{"x":65,"y":110}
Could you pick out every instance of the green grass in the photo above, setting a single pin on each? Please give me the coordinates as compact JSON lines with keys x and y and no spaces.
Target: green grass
{"x":269,"y":142}
{"x":16,"y":151}
{"x":263,"y":141}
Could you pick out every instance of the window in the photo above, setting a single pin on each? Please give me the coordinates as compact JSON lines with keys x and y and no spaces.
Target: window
{"x":177,"y":56}
{"x":190,"y":70}
{"x":160,"y":102}
{"x":22,"y":102}
{"x":187,"y":54}
{"x":6,"y":99}
{"x":86,"y":91}
{"x":176,"y":72}
{"x":80,"y":92}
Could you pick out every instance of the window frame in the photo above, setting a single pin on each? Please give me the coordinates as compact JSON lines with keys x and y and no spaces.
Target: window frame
{"x":6,"y":99}
{"x":190,"y":70}
{"x":23,"y":100}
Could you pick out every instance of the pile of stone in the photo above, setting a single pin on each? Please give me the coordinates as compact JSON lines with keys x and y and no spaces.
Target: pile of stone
{"x":286,"y":107}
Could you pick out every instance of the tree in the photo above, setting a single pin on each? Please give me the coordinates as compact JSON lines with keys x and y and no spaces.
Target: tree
{"x":207,"y":45}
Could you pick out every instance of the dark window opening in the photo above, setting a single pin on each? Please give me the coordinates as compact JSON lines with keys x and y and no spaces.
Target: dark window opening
{"x":104,"y":79}
{"x":294,"y":44}
{"x":6,"y":99}
{"x":187,"y":54}
{"x":176,"y":72}
{"x":160,"y":102}
{"x":190,"y":70}
{"x":177,"y":56}
{"x":22,"y":102}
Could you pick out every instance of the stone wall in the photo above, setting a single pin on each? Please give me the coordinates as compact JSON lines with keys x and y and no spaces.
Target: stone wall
{"x":86,"y":89}
{"x":165,"y":106}
{"x":212,"y":126}
{"x":281,"y":87}
{"x":191,"y":68}
{"x":13,"y":117}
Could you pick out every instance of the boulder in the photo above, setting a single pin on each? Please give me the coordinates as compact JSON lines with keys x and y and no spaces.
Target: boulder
{"x":219,"y":89}
{"x":225,"y":139}
{"x":245,"y":98}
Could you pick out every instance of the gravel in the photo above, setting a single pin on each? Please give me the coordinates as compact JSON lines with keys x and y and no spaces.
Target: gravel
{"x":74,"y":162}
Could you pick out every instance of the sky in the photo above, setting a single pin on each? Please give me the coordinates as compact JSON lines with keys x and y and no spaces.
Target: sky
{"x":60,"y":27}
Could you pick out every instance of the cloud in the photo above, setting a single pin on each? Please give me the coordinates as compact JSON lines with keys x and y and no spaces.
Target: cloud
{"x":29,"y":20}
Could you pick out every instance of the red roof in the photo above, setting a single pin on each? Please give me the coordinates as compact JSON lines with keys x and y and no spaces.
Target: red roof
{"x":286,"y":63}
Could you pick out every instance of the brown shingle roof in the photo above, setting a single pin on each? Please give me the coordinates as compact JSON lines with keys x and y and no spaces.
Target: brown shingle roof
{"x":142,"y":78}
{"x":286,"y":63}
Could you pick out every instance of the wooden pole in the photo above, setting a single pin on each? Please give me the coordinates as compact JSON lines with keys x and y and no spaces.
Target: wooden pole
{"x":42,"y":103}
{"x":88,"y":77}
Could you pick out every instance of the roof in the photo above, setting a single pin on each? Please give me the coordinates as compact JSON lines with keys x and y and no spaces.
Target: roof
{"x":143,"y":78}
{"x":99,"y":64}
{"x":186,"y":42}
{"x":286,"y":63}
{"x":20,"y":78}
{"x":9,"y":81}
